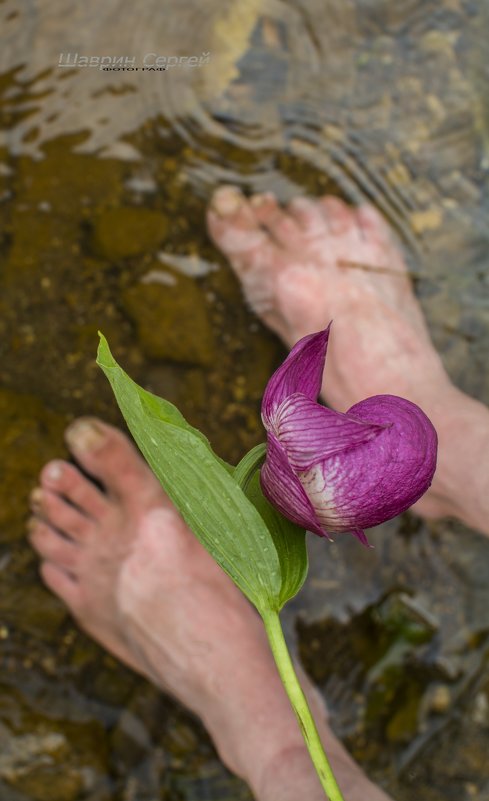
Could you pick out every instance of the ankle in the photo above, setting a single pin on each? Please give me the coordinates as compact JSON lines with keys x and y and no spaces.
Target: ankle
{"x":459,"y":485}
{"x":288,"y":776}
{"x":248,"y":715}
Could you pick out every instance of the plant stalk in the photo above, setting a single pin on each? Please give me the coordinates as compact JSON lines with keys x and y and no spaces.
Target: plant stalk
{"x":300,"y":706}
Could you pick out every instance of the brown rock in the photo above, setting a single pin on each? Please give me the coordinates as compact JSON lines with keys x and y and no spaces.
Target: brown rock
{"x":124,"y":232}
{"x":171,"y":320}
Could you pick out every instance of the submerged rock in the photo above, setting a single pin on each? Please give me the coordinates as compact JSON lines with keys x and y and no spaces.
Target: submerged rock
{"x":396,"y":637}
{"x":35,"y":764}
{"x":171,"y":320}
{"x":124,"y":232}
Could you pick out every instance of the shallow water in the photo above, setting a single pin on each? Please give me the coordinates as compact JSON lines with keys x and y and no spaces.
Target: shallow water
{"x":104,"y":179}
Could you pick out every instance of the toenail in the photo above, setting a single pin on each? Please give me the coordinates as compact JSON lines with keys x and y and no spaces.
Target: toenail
{"x":54,"y":471}
{"x":35,"y":497}
{"x":85,"y":435}
{"x":260,"y":200}
{"x":227,"y":201}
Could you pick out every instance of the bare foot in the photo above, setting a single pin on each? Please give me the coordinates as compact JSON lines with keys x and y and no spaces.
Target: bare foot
{"x":317,"y":261}
{"x":127,"y":566}
{"x":321,"y":260}
{"x":138,"y":581}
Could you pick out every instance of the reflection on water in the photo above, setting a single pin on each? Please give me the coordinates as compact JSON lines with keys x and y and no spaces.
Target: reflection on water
{"x":104,"y":178}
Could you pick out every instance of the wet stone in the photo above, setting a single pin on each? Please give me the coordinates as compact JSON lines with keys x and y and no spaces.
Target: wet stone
{"x":36,"y":765}
{"x":124,"y":232}
{"x":172,"y":321}
{"x":440,"y":699}
{"x":139,"y":723}
{"x":394,"y":655}
{"x":36,"y":612}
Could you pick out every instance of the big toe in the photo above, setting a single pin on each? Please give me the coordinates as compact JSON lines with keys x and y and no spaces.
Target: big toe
{"x":232,"y":223}
{"x":109,"y":456}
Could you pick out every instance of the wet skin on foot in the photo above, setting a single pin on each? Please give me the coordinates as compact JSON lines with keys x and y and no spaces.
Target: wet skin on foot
{"x":123,"y":560}
{"x":321,"y":260}
{"x":138,"y":581}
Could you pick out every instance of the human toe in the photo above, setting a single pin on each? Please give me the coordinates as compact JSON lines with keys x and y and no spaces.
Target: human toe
{"x":60,"y":514}
{"x":308,"y":216}
{"x":108,"y":455}
{"x":228,"y":201}
{"x":372,"y":223}
{"x":338,"y":215}
{"x":264,"y":205}
{"x":66,"y":480}
{"x":63,"y":583}
{"x":232,"y":223}
{"x":276,"y":221}
{"x":381,"y":240}
{"x":53,"y":546}
{"x":376,"y":229}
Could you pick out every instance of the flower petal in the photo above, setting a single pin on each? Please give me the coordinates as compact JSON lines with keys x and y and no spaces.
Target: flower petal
{"x":284,"y":490}
{"x":302,"y":371}
{"x":362,"y":537}
{"x":311,"y":433}
{"x":383,"y":477}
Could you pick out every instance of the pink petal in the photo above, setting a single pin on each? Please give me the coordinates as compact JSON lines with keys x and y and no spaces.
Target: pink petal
{"x":385,"y":476}
{"x":362,"y":537}
{"x":284,"y":490}
{"x":302,"y":371}
{"x":311,"y":433}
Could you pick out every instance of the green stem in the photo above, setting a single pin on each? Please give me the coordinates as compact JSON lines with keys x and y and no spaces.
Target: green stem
{"x":299,"y":704}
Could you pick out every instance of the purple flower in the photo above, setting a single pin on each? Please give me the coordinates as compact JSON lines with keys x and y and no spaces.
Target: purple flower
{"x":331,"y":472}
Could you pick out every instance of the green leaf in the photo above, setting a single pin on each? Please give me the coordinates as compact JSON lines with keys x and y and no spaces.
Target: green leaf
{"x":199,"y":484}
{"x":245,"y":470}
{"x":289,"y":539}
{"x":162,"y":409}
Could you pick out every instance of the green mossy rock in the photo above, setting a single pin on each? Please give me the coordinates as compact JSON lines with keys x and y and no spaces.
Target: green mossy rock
{"x":171,"y":320}
{"x":125,"y":232}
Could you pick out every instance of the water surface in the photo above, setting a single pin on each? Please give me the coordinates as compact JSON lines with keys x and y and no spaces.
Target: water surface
{"x":104,"y":178}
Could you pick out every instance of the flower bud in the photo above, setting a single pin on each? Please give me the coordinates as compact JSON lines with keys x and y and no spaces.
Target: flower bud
{"x":331,"y":472}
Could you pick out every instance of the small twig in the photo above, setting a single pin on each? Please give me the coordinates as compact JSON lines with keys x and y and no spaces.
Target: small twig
{"x":370,"y":268}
